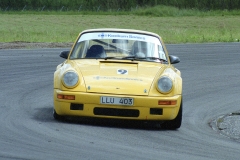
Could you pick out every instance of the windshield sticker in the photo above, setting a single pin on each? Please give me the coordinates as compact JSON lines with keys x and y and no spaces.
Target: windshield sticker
{"x":114,"y":35}
{"x":122,"y":71}
{"x":116,"y":78}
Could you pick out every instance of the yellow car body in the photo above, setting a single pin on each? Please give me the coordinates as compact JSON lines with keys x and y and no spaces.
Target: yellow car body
{"x":118,"y":84}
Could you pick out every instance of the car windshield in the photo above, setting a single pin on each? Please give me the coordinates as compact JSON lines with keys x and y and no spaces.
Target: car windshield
{"x":113,"y":45}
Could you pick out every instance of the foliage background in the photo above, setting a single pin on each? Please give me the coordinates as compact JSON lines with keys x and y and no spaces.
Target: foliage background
{"x":177,"y":21}
{"x":108,"y":5}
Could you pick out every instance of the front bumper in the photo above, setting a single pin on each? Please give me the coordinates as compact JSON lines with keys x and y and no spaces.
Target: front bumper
{"x":88,"y":105}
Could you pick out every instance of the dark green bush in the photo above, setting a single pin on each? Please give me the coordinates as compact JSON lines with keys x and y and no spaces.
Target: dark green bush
{"x":109,"y":5}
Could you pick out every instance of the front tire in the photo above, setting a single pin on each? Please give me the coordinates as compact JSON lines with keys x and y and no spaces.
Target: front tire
{"x":57,"y":116}
{"x":175,"y":123}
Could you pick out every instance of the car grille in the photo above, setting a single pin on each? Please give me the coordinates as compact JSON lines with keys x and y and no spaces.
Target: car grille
{"x":116,"y":112}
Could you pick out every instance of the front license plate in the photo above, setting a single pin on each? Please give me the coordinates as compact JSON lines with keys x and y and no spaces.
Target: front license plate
{"x":117,"y":101}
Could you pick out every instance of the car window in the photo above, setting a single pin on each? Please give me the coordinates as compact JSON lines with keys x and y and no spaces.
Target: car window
{"x":102,"y":45}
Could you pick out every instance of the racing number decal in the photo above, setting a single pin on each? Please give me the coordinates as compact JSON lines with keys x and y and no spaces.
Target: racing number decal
{"x":122,"y":71}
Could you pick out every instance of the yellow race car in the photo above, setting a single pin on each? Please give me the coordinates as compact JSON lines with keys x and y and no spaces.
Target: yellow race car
{"x":119,"y":74}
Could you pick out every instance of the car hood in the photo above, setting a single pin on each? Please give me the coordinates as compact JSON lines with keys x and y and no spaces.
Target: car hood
{"x":114,"y":77}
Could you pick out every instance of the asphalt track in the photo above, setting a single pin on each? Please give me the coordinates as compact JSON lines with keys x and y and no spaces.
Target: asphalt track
{"x":28,"y":131}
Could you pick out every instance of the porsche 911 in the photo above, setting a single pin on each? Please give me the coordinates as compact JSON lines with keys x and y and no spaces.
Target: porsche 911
{"x":119,"y":74}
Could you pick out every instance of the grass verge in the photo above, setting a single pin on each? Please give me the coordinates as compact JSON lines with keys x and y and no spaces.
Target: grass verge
{"x":174,"y":27}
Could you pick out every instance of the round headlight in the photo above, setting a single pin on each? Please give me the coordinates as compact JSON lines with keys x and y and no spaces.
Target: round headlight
{"x":164,"y":84}
{"x":70,"y":79}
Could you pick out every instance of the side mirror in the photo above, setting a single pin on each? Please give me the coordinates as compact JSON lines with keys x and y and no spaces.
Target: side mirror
{"x":174,"y":59}
{"x":64,"y":54}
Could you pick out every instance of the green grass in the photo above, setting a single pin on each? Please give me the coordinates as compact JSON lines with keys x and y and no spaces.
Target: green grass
{"x":175,"y":26}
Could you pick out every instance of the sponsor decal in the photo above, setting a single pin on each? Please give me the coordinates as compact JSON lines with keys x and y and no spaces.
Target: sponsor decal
{"x":116,"y":78}
{"x":115,"y":35}
{"x":102,"y":35}
{"x":124,"y":36}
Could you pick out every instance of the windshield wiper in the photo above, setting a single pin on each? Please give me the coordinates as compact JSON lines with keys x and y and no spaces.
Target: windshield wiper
{"x":129,"y":57}
{"x":138,"y":58}
{"x":152,"y":58}
{"x":106,"y":58}
{"x":111,"y":58}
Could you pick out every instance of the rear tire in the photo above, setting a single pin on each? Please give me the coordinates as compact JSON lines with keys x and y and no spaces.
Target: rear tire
{"x":175,"y":123}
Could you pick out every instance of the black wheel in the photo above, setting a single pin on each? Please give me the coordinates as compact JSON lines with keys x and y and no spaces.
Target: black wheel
{"x":175,"y":123}
{"x":57,"y":116}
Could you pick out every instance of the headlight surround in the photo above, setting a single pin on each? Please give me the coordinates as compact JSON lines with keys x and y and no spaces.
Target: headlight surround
{"x":164,"y":84}
{"x":70,"y":79}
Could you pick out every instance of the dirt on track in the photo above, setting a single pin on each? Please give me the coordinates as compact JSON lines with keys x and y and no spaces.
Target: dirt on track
{"x":29,"y":45}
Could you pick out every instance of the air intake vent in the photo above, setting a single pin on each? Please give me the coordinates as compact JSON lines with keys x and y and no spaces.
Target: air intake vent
{"x":76,"y":106}
{"x":116,"y":112}
{"x":156,"y":111}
